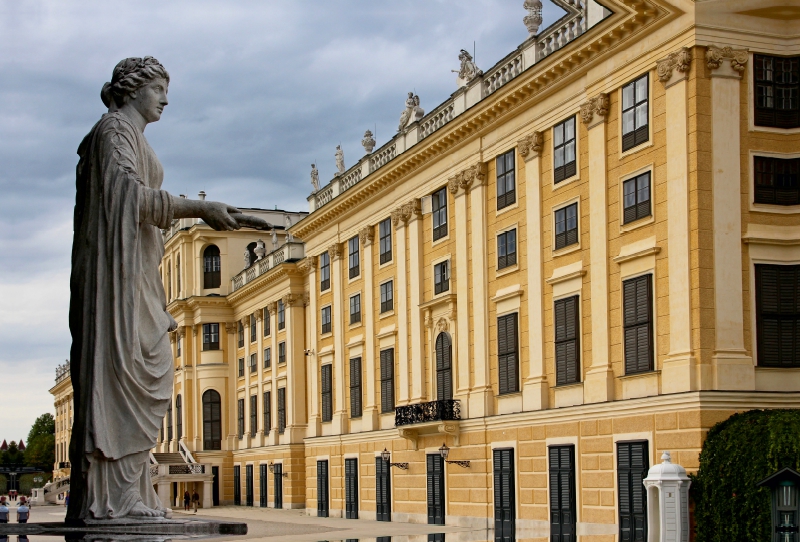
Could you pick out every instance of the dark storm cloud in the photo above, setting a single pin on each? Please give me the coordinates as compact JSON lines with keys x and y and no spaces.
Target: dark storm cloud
{"x":259,"y":90}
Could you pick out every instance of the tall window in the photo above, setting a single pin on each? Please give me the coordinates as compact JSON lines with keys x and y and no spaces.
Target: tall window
{"x":778,"y":315}
{"x":441,"y":277}
{"x":444,"y":367}
{"x":385,"y":234}
{"x":355,"y":309}
{"x":564,"y":161}
{"x":635,"y":118}
{"x":506,"y":186}
{"x":507,"y":249}
{"x":327,"y":393}
{"x":777,"y":84}
{"x":169,"y":421}
{"x":281,"y":352}
{"x":253,"y":415}
{"x":562,"y":493}
{"x":387,"y":380}
{"x":508,"y":353}
{"x":211,"y":267}
{"x":169,"y":282}
{"x":566,"y":226}
{"x":636,"y":198}
{"x":281,"y":410}
{"x":212,"y":421}
{"x":355,"y":387}
{"x":178,"y":342}
{"x":281,"y":315}
{"x":267,"y":358}
{"x":240,"y":334}
{"x":387,"y":297}
{"x":637,"y":296}
{"x":325,"y":319}
{"x":179,"y":416}
{"x":353,"y":257}
{"x":267,"y":412}
{"x":632,"y":467}
{"x":241,"y":367}
{"x":178,"y":273}
{"x":324,"y":271}
{"x":439,"y":205}
{"x":210,"y":336}
{"x":265,"y":319}
{"x":240,"y":417}
{"x":777,"y":180}
{"x":567,"y":341}
{"x":253,"y":332}
{"x":253,"y":362}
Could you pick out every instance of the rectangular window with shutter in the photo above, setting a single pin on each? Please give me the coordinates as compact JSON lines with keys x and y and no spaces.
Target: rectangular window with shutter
{"x":632,"y":467}
{"x":267,"y":358}
{"x":355,"y":387}
{"x":441,"y":277}
{"x":353,"y":257}
{"x":567,"y":340}
{"x":778,"y":315}
{"x":504,"y":494}
{"x":324,"y":271}
{"x":351,"y":488}
{"x":777,"y":88}
{"x":265,"y":319}
{"x":566,"y":226}
{"x":444,"y":367}
{"x":564,"y":160}
{"x":385,"y":234}
{"x":267,"y":412}
{"x":387,"y":296}
{"x":240,"y":418}
{"x":327,"y":393}
{"x":637,"y":294}
{"x":435,"y":488}
{"x":635,"y":114}
{"x":777,"y":180}
{"x":508,"y":353}
{"x":325,"y":320}
{"x":355,"y":309}
{"x":507,"y":249}
{"x":563,"y":509}
{"x":383,"y":490}
{"x":439,"y":207}
{"x":323,"y":498}
{"x":387,"y":380}
{"x":506,"y":184}
{"x":636,"y":198}
{"x":253,"y":415}
{"x":281,"y":411}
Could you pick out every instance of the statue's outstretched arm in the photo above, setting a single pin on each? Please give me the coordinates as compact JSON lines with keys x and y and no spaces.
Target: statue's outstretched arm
{"x":219,"y":216}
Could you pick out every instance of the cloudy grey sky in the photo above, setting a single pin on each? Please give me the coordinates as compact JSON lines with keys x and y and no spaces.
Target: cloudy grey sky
{"x":259,"y":90}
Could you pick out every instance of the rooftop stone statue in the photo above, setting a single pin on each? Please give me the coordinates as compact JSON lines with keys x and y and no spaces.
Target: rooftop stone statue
{"x":121,"y":361}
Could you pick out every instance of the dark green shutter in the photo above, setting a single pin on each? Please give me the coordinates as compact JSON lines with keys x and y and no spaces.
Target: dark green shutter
{"x":355,"y":388}
{"x":237,"y":485}
{"x":383,"y":505}
{"x":632,"y":467}
{"x":262,"y":483}
{"x":567,"y":341}
{"x":562,"y":494}
{"x":435,"y":489}
{"x":278,"y":478}
{"x":387,"y":380}
{"x":327,"y":393}
{"x":504,"y":496}
{"x":778,"y":315}
{"x":248,"y":478}
{"x":638,"y":323}
{"x":351,"y":488}
{"x":444,"y":367}
{"x":507,"y":353}
{"x":322,"y":489}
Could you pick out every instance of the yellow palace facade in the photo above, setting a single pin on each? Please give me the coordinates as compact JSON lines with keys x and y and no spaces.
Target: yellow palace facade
{"x":587,"y":256}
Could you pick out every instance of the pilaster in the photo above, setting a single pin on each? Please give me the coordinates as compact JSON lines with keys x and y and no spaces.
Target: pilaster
{"x":369,"y":414}
{"x":400,"y":220}
{"x":462,"y":369}
{"x":733,"y":368}
{"x":535,"y":392}
{"x":295,"y":367}
{"x":339,"y":420}
{"x":415,"y":288}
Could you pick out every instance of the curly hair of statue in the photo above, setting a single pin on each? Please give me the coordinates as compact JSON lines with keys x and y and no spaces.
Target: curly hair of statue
{"x":129,"y":75}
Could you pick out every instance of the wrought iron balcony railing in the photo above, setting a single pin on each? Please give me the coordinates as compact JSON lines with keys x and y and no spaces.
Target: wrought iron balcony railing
{"x":432,"y":411}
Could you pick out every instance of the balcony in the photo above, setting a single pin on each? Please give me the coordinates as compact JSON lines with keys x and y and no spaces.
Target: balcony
{"x":289,"y":252}
{"x":413,"y":421}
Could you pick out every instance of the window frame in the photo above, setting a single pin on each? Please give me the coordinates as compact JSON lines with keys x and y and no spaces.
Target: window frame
{"x":281,"y":352}
{"x":253,"y":415}
{"x":506,"y":178}
{"x":240,"y":417}
{"x":324,"y":272}
{"x":441,"y":277}
{"x":356,"y":403}
{"x":385,"y":241}
{"x":253,"y":363}
{"x":355,"y":309}
{"x":325,"y":320}
{"x":210,"y":331}
{"x":281,"y":410}
{"x":790,"y":120}
{"x":640,"y":133}
{"x":268,"y":357}
{"x":779,"y":316}
{"x":567,"y":170}
{"x":506,"y":260}
{"x":212,"y":268}
{"x":565,"y":338}
{"x":240,"y":334}
{"x":240,"y":366}
{"x":281,"y":315}
{"x":557,"y":493}
{"x":266,"y":321}
{"x":326,"y":392}
{"x":439,"y":214}
{"x":637,"y":212}
{"x":386,"y":376}
{"x":212,"y":420}
{"x":387,"y":296}
{"x":630,"y":473}
{"x":353,"y":257}
{"x":648,"y":324}
{"x":565,"y":235}
{"x":509,"y":357}
{"x":267,"y":411}
{"x":788,"y":162}
{"x":253,"y":329}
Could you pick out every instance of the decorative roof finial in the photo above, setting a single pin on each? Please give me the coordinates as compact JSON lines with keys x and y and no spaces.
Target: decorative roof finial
{"x":533,"y":20}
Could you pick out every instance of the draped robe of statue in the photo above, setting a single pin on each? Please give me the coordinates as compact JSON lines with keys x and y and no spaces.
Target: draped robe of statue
{"x":121,"y":359}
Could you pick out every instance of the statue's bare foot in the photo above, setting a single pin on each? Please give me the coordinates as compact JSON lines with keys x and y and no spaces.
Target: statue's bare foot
{"x":139,"y":510}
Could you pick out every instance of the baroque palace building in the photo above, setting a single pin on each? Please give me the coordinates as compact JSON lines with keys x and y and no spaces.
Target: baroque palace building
{"x":588,"y":255}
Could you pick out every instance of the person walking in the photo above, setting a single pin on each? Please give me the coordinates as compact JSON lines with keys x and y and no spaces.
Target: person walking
{"x":195,"y":500}
{"x":3,"y":511}
{"x":23,"y":511}
{"x":186,"y":499}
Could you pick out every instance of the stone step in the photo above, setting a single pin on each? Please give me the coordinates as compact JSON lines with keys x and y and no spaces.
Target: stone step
{"x":169,"y":459}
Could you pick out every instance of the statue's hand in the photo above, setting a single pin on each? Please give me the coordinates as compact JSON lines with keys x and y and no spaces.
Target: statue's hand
{"x":251,"y":221}
{"x":220,"y":216}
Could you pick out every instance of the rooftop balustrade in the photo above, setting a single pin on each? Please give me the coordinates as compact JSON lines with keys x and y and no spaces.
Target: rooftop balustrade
{"x":288,"y":252}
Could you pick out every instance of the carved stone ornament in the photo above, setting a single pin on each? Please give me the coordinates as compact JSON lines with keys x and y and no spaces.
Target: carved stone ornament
{"x":428,"y":320}
{"x":442,"y":325}
{"x":257,"y":315}
{"x":307,"y":265}
{"x":368,"y":142}
{"x":272,"y":308}
{"x":533,"y":20}
{"x":335,"y":251}
{"x":306,"y":298}
{"x":366,"y":235}
{"x":716,"y":55}
{"x":196,"y":330}
{"x":172,"y":336}
{"x":406,"y":212}
{"x":290,"y":300}
{"x":465,"y":179}
{"x":246,"y":321}
{"x":680,"y":61}
{"x":595,"y":106}
{"x":530,"y":146}
{"x":181,"y":332}
{"x":230,"y":327}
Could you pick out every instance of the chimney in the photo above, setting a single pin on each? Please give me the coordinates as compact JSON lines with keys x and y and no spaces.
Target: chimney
{"x":202,"y":195}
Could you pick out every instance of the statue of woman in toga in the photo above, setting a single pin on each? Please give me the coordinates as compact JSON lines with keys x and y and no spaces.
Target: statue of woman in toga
{"x":121,"y":360}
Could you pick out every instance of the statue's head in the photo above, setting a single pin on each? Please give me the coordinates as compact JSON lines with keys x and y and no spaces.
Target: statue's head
{"x":130,"y":77}
{"x":313,"y":166}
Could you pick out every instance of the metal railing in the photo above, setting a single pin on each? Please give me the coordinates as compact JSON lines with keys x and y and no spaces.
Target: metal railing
{"x":196,"y":468}
{"x":449,"y":409}
{"x":290,"y":251}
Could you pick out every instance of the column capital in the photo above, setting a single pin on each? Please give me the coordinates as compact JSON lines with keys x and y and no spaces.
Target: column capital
{"x":726,"y":61}
{"x":258,"y":316}
{"x":530,"y":146}
{"x":307,"y":265}
{"x":272,"y":307}
{"x":595,"y":111}
{"x":230,"y":327}
{"x":180,"y":332}
{"x":306,"y":298}
{"x":465,"y":179}
{"x":675,"y":67}
{"x":406,"y":212}
{"x":366,"y":235}
{"x":245,"y":321}
{"x":290,"y":300}
{"x":335,"y":251}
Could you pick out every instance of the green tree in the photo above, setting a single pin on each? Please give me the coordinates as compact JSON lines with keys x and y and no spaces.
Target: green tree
{"x":44,"y":425}
{"x":41,"y":449}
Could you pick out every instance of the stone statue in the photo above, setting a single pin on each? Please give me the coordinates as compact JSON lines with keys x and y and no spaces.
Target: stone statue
{"x":468,"y":71}
{"x":260,"y":250}
{"x":287,"y":223}
{"x":339,"y":160}
{"x":315,"y":178}
{"x":533,"y":20}
{"x":368,"y":142}
{"x":246,"y":258}
{"x":406,"y":114}
{"x":274,"y":235}
{"x":121,"y":360}
{"x":418,"y":111}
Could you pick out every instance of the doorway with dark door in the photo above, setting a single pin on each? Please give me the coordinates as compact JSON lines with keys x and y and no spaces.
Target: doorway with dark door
{"x":323,"y":502}
{"x":383,"y":490}
{"x":278,"y":489}
{"x":436,"y":491}
{"x":504,"y":495}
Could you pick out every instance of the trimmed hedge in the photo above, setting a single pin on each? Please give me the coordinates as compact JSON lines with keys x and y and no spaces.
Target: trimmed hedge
{"x":737,"y":454}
